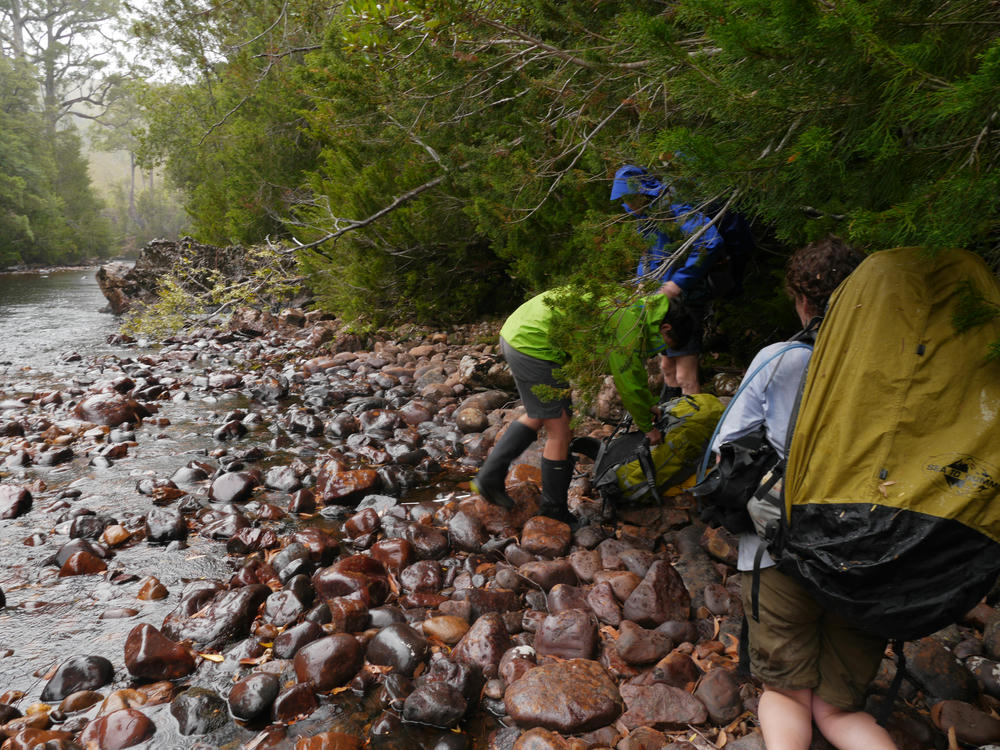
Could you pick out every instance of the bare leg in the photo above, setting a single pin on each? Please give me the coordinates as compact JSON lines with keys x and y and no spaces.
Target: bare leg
{"x":786,"y":718}
{"x":669,"y":370}
{"x":686,"y":367}
{"x":850,"y":730}
{"x":557,"y":435}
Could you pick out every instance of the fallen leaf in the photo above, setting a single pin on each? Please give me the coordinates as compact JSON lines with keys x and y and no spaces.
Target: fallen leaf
{"x":217,"y":658}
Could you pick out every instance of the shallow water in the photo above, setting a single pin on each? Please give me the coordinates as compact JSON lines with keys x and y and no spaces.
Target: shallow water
{"x":43,"y":319}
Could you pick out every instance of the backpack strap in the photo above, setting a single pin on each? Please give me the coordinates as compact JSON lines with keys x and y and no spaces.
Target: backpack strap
{"x":885,"y":710}
{"x":746,"y":382}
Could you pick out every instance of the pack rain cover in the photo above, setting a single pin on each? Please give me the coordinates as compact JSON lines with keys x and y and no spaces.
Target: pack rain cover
{"x":894,"y":468}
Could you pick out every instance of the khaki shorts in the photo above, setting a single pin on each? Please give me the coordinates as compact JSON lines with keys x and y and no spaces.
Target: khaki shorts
{"x":797,"y":644}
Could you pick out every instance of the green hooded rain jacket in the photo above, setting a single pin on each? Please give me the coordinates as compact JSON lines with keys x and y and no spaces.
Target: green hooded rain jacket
{"x":636,"y":332}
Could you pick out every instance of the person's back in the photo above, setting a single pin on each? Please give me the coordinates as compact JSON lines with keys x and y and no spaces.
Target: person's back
{"x":814,"y":664}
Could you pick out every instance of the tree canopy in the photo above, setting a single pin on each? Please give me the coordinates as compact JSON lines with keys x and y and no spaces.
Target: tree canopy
{"x":427,"y":151}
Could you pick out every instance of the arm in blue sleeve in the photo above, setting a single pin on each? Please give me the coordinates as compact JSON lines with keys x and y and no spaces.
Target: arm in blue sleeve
{"x":705,"y":252}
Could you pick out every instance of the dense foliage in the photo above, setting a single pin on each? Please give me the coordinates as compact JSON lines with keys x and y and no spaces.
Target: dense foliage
{"x":48,"y":212}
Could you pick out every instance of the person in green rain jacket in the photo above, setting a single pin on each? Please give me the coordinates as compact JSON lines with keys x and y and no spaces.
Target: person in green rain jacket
{"x":639,"y":331}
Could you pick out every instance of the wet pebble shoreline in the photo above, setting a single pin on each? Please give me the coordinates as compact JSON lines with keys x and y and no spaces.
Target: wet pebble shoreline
{"x":355,"y":591}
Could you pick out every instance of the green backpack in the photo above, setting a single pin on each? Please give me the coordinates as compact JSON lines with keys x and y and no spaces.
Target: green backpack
{"x":628,"y":470}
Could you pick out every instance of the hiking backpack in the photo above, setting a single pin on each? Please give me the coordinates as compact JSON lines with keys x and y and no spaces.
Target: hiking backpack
{"x":890,"y":513}
{"x":627,"y":470}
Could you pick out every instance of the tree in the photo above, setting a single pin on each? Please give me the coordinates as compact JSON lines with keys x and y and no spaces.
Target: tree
{"x":68,"y":43}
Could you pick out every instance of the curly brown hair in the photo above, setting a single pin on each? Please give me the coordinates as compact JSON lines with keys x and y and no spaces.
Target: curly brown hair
{"x":815,"y":270}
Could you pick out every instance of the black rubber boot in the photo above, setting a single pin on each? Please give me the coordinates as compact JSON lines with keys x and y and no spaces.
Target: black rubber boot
{"x":490,"y":481}
{"x":556,"y":476}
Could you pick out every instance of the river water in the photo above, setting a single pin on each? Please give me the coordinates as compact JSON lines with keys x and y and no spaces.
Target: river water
{"x":44,"y":320}
{"x":53,"y":338}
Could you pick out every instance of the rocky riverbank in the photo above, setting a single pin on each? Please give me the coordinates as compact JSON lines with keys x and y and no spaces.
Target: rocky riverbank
{"x":353,"y":591}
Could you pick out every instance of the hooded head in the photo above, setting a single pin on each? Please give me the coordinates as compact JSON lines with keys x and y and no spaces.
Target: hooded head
{"x":632,"y":180}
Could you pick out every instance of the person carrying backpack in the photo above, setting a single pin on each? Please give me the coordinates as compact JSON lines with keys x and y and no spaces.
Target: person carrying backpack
{"x":665,"y":220}
{"x":815,"y":666}
{"x":639,"y":331}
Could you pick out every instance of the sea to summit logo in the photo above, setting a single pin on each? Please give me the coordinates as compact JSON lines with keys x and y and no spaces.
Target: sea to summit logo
{"x":965,"y":475}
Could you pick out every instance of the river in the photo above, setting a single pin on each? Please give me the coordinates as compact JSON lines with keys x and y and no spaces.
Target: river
{"x":53,"y":338}
{"x":45,"y":318}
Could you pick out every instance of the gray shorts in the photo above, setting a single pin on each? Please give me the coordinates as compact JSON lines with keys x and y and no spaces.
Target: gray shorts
{"x":530,"y":371}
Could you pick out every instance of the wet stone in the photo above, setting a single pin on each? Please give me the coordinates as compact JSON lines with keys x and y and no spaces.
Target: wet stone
{"x":232,"y":487}
{"x":661,"y":596}
{"x":329,"y":662}
{"x":226,"y":618}
{"x":467,"y":532}
{"x":283,"y":608}
{"x":329,"y":741}
{"x":938,"y":672}
{"x":119,"y":729}
{"x":484,"y":644}
{"x":445,"y":628}
{"x":199,"y":711}
{"x":253,"y":695}
{"x":82,"y":563}
{"x":567,"y":697}
{"x":78,"y":673}
{"x":972,"y":726}
{"x":425,"y":575}
{"x":660,"y":707}
{"x":289,"y":641}
{"x":676,"y":669}
{"x":547,"y":573}
{"x":398,"y":646}
{"x":150,"y":655}
{"x":436,"y":703}
{"x":283,"y":479}
{"x":164,"y":525}
{"x":251,"y":539}
{"x":603,"y":603}
{"x":568,"y":635}
{"x":545,"y":536}
{"x":483,"y":601}
{"x":14,"y":501}
{"x":110,"y":409}
{"x":465,"y":678}
{"x":150,"y":589}
{"x":636,"y":645}
{"x":78,"y":701}
{"x":720,"y":692}
{"x":294,"y":702}
{"x":585,"y":563}
{"x":562,"y":597}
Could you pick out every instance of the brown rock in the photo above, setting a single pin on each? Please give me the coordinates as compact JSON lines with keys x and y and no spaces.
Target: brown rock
{"x":567,"y":697}
{"x":660,"y":707}
{"x":547,"y":573}
{"x":117,"y":730}
{"x":971,"y":725}
{"x":636,"y":645}
{"x":484,"y":644}
{"x":720,"y":692}
{"x":568,"y":635}
{"x":150,"y":655}
{"x":445,"y":628}
{"x":622,"y":582}
{"x":150,"y":589}
{"x":329,"y":741}
{"x":329,"y":662}
{"x":546,"y":537}
{"x":82,"y":562}
{"x":14,"y":501}
{"x":660,"y":597}
{"x":676,"y":669}
{"x":603,"y":603}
